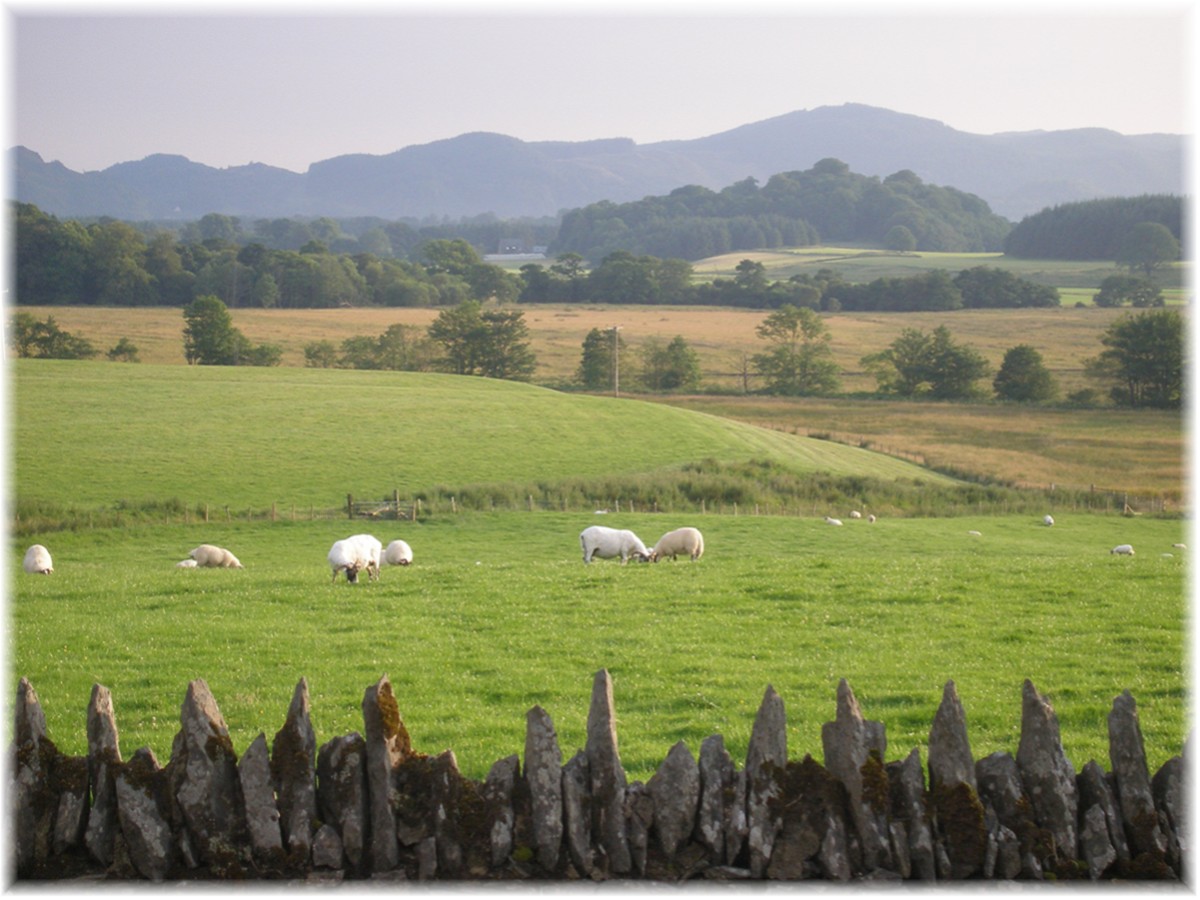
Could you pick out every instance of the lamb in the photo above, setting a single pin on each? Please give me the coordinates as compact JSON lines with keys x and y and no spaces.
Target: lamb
{"x":208,"y":556}
{"x":681,"y":540}
{"x":37,"y":561}
{"x":606,"y":543}
{"x":1122,"y":550}
{"x":352,"y":554}
{"x":398,"y":553}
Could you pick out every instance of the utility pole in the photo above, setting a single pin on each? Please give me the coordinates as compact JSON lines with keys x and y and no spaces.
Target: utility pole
{"x":616,"y":362}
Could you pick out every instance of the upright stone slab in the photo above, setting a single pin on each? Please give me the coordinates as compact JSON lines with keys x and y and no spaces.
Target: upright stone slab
{"x":577,"y":827}
{"x":717,"y":775}
{"x":1170,"y":797}
{"x":33,"y":806}
{"x":608,"y":782}
{"x":70,"y":783}
{"x":447,"y":796}
{"x":639,"y":817}
{"x":1096,"y":789}
{"x":104,"y":756}
{"x":675,"y":788}
{"x":766,"y":759}
{"x":1127,"y":754}
{"x":854,"y":751}
{"x":262,"y":813}
{"x":543,"y":774}
{"x":906,"y":780}
{"x":498,"y":791}
{"x":142,"y":810}
{"x":205,"y":782}
{"x":1047,"y":774}
{"x":387,"y":744}
{"x":342,"y":794}
{"x":293,"y":755}
{"x":962,"y":828}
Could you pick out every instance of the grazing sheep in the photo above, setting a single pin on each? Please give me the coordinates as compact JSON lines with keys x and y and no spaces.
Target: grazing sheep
{"x":1047,"y":520}
{"x":829,"y":520}
{"x":398,"y":553}
{"x":974,"y":533}
{"x":855,"y":514}
{"x":208,"y":556}
{"x":607,"y":543}
{"x":1179,"y":546}
{"x":682,"y":540}
{"x":352,"y":554}
{"x":37,"y":561}
{"x":871,"y":517}
{"x":186,"y":564}
{"x":1122,"y":550}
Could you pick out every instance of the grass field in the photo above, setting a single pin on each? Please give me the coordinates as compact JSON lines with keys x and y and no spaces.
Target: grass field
{"x":498,"y":613}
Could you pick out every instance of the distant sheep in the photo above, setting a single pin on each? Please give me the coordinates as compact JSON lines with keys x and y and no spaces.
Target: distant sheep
{"x":186,"y":564}
{"x":829,"y":520}
{"x":37,"y":561}
{"x":1047,"y":520}
{"x":207,"y":556}
{"x":855,"y":514}
{"x":353,"y":554}
{"x":398,"y":553}
{"x":1122,"y":550}
{"x":871,"y":517}
{"x":607,"y":543}
{"x":688,"y":541}
{"x":974,"y":533}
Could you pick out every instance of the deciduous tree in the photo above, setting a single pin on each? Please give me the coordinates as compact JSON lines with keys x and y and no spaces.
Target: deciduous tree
{"x":1023,"y":377}
{"x":800,"y":360}
{"x":1143,"y":360}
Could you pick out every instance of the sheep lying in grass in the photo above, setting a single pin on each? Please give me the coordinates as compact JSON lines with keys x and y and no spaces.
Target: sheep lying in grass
{"x":688,"y":541}
{"x":352,"y":554}
{"x":37,"y":561}
{"x":186,"y":564}
{"x":398,"y":553}
{"x":1122,"y":550}
{"x":830,"y":520}
{"x":207,"y":556}
{"x":607,"y":543}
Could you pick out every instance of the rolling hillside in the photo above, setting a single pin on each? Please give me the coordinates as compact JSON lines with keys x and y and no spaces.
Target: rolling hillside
{"x":1016,"y":173}
{"x":245,"y":437}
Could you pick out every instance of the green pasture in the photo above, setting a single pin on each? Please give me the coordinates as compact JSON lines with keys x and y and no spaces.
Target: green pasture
{"x":90,"y":435}
{"x":499,"y":613}
{"x":1079,"y":278}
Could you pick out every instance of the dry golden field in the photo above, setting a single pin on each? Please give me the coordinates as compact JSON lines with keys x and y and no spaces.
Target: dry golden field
{"x":722,"y":337}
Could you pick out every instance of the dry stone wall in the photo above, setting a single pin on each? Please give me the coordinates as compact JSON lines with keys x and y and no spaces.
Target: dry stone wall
{"x":368,"y":806}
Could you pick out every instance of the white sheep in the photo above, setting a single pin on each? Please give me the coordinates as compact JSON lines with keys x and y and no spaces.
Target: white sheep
{"x":688,"y":541}
{"x":607,"y":543}
{"x":829,"y":520}
{"x":871,"y":517}
{"x":208,"y":556}
{"x":975,"y":533}
{"x":352,"y":554}
{"x":1047,"y":520}
{"x":186,"y":564}
{"x":1122,"y":550}
{"x":855,"y":514}
{"x":398,"y":553}
{"x":37,"y":561}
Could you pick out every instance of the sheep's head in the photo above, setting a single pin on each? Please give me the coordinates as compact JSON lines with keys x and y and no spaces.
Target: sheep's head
{"x":352,"y":574}
{"x":653,"y":556}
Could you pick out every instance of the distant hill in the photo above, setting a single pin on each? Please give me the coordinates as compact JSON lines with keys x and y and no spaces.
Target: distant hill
{"x":1017,"y":173}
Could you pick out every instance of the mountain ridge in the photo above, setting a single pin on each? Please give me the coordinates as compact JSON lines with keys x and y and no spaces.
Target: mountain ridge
{"x":479,"y":172}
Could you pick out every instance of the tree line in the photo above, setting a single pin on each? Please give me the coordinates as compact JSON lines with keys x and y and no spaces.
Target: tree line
{"x":1141,"y":363}
{"x":825,"y":204}
{"x":1094,"y":229}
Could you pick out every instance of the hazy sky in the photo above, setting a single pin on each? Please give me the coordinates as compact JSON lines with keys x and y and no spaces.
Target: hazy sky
{"x":93,"y":84}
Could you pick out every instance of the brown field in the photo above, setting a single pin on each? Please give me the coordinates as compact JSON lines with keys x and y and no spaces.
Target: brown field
{"x":722,"y":337}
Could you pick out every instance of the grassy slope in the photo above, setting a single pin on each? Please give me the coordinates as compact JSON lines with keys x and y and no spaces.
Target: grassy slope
{"x":249,"y":437}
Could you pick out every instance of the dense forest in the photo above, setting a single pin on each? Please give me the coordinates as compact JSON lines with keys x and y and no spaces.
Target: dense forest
{"x":1094,"y":229}
{"x":826,"y":204}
